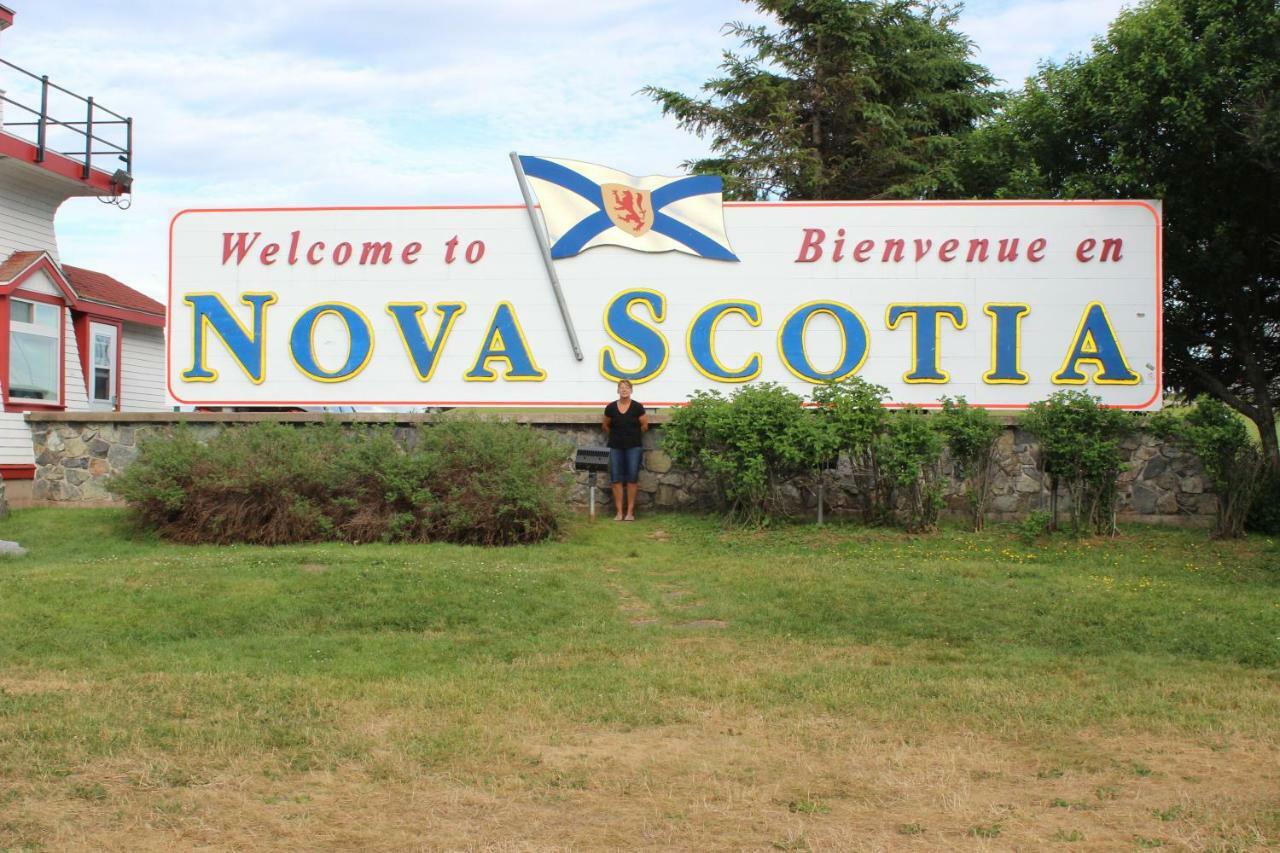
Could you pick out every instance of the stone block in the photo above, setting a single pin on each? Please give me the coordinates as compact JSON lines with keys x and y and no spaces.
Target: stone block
{"x":98,"y":448}
{"x":648,"y":481}
{"x":1167,"y":503}
{"x":658,"y":461}
{"x":76,"y":476}
{"x":1145,"y":497}
{"x":55,"y":443}
{"x":674,"y":478}
{"x":1155,"y":466}
{"x":95,"y":490}
{"x":671,"y":496}
{"x":1027,"y":484}
{"x":1005,"y":503}
{"x":127,"y":436}
{"x":1192,"y":485}
{"x":9,"y":548}
{"x":99,"y":467}
{"x":78,"y":462}
{"x":120,"y":456}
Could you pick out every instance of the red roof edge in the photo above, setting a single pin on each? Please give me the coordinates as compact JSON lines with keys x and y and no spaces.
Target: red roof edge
{"x":105,"y":296}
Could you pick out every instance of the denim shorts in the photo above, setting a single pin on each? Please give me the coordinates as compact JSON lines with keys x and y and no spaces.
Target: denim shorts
{"x":624,"y":464}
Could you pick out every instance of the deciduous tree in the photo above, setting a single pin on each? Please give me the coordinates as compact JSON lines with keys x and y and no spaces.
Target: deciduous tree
{"x":1180,"y":101}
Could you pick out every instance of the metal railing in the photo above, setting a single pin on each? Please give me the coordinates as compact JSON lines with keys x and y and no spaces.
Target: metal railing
{"x":95,"y":117}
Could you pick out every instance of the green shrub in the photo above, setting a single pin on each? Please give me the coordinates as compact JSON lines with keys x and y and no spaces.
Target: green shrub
{"x":910,"y":455}
{"x":1080,"y":449}
{"x":466,"y":481}
{"x":1231,"y":459}
{"x":971,"y":435}
{"x":748,"y":445}
{"x":855,"y":411}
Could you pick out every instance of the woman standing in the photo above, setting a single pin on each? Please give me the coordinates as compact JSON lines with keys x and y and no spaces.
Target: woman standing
{"x":625,"y":422}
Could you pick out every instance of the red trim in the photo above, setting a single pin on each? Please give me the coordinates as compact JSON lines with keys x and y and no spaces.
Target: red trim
{"x":63,"y":167}
{"x":19,"y":404}
{"x":1159,"y":283}
{"x":115,"y":312}
{"x":6,"y":18}
{"x":18,"y":472}
{"x":45,"y":264}
{"x":84,"y":325}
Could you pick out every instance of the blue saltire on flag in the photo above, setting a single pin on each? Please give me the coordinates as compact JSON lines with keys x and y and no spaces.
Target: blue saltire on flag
{"x":585,"y":205}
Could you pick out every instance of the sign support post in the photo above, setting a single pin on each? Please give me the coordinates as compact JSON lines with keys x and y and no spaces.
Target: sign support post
{"x":546,"y":255}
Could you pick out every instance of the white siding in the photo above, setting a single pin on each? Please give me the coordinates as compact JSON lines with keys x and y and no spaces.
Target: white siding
{"x":77,"y":397}
{"x":15,"y":440}
{"x":28,"y":202}
{"x":40,"y":283}
{"x":142,"y":370}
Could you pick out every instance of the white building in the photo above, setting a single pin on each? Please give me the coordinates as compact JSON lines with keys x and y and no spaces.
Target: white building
{"x":71,"y":339}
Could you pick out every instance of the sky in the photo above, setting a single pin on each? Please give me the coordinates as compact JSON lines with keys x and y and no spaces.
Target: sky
{"x":297,"y":103}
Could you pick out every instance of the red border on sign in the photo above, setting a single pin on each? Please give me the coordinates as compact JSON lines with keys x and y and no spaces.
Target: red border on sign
{"x":1159,"y":389}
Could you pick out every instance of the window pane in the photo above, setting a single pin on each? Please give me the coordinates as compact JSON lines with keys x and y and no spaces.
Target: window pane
{"x":102,"y":350}
{"x":48,"y":315}
{"x":33,"y":366}
{"x":101,"y":383}
{"x":19,"y":311}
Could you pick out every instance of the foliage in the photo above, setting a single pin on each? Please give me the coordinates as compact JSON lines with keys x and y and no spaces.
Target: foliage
{"x":839,"y":99}
{"x":1033,"y":525}
{"x":910,"y":457}
{"x":971,"y":435}
{"x":855,"y":410}
{"x":465,"y":480}
{"x":1180,"y":102}
{"x":1264,"y":510}
{"x":1080,"y":449}
{"x":748,"y":445}
{"x":1231,"y":459}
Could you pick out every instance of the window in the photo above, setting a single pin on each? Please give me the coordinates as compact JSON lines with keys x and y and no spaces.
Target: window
{"x":35,"y":357}
{"x":102,"y":379}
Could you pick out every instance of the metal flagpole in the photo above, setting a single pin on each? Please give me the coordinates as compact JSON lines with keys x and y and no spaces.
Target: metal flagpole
{"x":546,"y":255}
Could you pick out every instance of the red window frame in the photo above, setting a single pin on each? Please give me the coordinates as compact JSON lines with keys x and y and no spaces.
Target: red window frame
{"x":83,"y":324}
{"x":20,"y":404}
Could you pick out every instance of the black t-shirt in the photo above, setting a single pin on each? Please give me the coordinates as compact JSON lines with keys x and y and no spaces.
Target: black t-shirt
{"x":624,"y":427}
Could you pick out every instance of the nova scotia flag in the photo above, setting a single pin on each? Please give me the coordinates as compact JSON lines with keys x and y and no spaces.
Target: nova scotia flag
{"x":585,"y":205}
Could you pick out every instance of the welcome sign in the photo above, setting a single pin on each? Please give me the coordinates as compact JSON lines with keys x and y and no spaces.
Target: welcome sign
{"x":1003,"y":302}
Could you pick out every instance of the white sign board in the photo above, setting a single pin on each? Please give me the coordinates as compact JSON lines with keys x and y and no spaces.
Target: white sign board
{"x":1002,"y":302}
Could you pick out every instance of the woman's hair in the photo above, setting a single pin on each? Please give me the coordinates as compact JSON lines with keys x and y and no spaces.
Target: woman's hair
{"x":626,"y":382}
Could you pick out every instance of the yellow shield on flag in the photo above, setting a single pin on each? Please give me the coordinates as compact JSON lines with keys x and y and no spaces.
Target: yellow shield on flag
{"x":628,"y":208}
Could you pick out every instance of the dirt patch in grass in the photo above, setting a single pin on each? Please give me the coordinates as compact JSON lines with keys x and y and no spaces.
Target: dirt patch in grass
{"x":29,"y":686}
{"x":719,"y":783}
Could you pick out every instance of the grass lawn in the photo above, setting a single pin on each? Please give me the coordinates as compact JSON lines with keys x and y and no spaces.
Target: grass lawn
{"x":656,"y":685}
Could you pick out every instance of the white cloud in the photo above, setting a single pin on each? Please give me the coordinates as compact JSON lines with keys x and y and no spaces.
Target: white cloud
{"x":400,"y":102}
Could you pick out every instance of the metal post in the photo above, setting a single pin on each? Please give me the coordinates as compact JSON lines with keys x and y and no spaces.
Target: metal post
{"x":88,"y":137}
{"x":546,"y":255}
{"x":591,"y":501}
{"x":128,"y":145}
{"x":44,"y":118}
{"x":820,"y":490}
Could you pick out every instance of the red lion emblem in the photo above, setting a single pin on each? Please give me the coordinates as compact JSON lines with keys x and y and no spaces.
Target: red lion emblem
{"x":629,"y":207}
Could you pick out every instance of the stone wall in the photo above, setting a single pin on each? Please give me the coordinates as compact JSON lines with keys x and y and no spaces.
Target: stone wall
{"x":76,"y":453}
